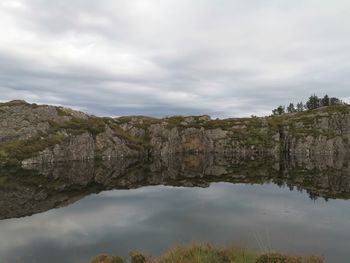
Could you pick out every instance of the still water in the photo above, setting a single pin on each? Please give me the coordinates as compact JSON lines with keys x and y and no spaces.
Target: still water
{"x":70,"y":213}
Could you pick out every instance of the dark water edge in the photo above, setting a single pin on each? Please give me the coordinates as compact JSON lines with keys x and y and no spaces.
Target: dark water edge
{"x":292,"y":205}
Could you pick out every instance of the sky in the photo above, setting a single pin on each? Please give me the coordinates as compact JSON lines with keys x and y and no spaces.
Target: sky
{"x":224,"y":58}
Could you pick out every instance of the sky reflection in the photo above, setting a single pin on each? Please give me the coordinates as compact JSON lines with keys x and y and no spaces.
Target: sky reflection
{"x":152,"y":218}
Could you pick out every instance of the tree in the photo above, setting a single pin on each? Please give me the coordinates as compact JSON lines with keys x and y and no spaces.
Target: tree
{"x":291,"y":108}
{"x":325,"y":101}
{"x":313,"y":103}
{"x":279,"y":110}
{"x":300,"y":106}
{"x":335,"y":101}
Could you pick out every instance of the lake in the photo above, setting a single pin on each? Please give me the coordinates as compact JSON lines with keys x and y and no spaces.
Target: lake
{"x":72,"y":212}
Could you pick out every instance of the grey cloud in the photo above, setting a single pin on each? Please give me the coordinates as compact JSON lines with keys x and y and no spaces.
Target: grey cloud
{"x":223,"y":58}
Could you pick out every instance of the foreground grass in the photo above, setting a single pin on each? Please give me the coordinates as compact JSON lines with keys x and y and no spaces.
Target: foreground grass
{"x":205,"y":253}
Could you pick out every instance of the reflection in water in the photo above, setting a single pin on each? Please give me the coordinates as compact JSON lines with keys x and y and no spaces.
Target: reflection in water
{"x":40,"y":188}
{"x":118,"y":221}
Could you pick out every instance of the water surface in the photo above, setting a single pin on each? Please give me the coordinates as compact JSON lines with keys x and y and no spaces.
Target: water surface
{"x":69,"y":213}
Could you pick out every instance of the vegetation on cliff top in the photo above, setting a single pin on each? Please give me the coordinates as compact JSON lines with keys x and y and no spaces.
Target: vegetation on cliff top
{"x":205,"y":253}
{"x":314,"y":102}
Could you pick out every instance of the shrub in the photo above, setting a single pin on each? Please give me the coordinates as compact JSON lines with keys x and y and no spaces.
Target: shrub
{"x":136,"y":257}
{"x":107,"y":259}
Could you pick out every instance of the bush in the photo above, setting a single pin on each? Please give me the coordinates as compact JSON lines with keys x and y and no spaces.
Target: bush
{"x":107,"y":259}
{"x":136,"y":257}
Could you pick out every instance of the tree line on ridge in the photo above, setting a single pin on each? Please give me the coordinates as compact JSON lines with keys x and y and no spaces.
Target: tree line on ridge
{"x":313,"y":102}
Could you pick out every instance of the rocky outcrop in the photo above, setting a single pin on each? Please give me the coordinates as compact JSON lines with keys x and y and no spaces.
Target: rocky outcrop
{"x":31,"y":133}
{"x":20,"y":120}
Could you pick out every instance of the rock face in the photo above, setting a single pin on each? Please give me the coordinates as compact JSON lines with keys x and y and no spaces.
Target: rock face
{"x":31,"y":133}
{"x":75,"y":147}
{"x":325,"y":131}
{"x":20,"y":120}
{"x":45,"y":134}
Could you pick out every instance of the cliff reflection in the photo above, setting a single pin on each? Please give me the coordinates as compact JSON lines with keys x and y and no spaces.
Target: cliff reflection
{"x":40,"y":188}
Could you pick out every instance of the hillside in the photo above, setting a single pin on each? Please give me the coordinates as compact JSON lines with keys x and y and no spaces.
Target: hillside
{"x":31,"y":133}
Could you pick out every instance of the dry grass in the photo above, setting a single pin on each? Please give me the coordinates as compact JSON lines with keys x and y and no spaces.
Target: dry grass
{"x":203,"y":253}
{"x":280,"y":258}
{"x":206,"y":253}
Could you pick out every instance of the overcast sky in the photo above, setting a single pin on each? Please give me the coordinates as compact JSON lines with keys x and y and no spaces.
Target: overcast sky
{"x":166,"y":57}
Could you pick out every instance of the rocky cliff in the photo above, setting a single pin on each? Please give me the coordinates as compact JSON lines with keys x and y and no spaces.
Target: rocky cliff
{"x":31,"y":133}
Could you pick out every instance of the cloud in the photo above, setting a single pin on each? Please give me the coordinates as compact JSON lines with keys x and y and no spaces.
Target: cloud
{"x":224,"y":58}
